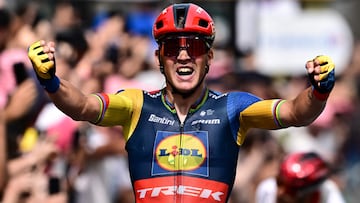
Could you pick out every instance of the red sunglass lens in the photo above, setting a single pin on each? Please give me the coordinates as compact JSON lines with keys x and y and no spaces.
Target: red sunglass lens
{"x":171,"y":48}
{"x":194,"y":46}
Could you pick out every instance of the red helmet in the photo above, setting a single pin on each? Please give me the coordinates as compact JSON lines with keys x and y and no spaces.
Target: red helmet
{"x":184,"y":18}
{"x":303,"y":170}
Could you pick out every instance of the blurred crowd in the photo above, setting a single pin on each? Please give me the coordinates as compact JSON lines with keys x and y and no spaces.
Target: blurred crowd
{"x":47,"y":157}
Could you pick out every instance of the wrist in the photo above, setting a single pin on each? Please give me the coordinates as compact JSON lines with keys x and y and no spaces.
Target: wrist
{"x":51,"y":85}
{"x":322,"y":96}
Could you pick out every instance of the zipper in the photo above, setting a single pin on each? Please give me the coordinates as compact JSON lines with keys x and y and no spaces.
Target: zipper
{"x":178,"y":176}
{"x":181,"y":127}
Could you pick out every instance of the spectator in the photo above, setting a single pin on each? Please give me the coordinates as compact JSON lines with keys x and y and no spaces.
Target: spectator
{"x":304,"y":177}
{"x":3,"y":171}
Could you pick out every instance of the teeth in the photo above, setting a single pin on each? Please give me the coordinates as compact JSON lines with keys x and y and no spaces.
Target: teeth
{"x":184,"y":71}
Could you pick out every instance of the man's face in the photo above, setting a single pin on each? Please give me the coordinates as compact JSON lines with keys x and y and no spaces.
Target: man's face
{"x":185,"y":61}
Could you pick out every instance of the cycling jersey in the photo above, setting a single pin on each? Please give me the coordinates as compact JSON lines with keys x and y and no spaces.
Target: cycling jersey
{"x":190,"y":161}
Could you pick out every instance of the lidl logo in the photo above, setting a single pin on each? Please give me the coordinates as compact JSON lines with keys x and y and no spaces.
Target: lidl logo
{"x":180,"y":152}
{"x":185,"y":152}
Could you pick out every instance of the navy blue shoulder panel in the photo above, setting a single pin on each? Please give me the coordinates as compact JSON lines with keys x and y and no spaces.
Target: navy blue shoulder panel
{"x":236,"y":103}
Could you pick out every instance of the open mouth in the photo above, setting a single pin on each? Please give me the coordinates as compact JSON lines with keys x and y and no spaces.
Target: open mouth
{"x":184,"y":71}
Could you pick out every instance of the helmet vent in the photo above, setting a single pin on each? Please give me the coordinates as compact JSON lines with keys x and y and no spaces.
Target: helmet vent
{"x":159,"y":24}
{"x":180,"y":16}
{"x":203,"y":23}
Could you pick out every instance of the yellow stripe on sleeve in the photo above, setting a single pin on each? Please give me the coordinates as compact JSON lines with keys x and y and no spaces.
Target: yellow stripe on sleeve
{"x":261,"y":114}
{"x":137,"y":99}
{"x":123,"y":109}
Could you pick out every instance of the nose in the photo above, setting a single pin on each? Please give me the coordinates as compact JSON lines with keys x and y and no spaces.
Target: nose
{"x":183,"y":54}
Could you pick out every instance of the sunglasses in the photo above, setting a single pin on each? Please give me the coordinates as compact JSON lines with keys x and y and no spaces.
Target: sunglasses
{"x":194,"y":45}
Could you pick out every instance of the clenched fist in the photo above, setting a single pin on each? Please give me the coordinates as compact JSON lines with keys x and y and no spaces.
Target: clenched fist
{"x":321,"y":71}
{"x":41,"y":55}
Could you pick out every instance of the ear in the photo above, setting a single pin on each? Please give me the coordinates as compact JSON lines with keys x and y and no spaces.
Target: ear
{"x":210,"y":56}
{"x":158,"y":60}
{"x":157,"y":54}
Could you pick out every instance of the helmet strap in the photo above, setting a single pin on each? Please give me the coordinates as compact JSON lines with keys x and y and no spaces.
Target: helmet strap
{"x":161,"y":65}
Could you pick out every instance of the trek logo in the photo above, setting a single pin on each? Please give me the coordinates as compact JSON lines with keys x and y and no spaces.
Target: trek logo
{"x":180,"y":190}
{"x":186,"y":152}
{"x":161,"y":120}
{"x":188,"y":190}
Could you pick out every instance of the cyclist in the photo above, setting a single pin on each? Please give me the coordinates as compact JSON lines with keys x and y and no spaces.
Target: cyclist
{"x":183,"y":140}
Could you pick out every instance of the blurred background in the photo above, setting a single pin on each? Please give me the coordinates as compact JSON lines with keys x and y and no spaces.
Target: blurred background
{"x":261,"y":46}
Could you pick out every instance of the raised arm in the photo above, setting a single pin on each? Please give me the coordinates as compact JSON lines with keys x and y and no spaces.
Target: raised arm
{"x":309,"y":104}
{"x":3,"y":154}
{"x":64,"y":95}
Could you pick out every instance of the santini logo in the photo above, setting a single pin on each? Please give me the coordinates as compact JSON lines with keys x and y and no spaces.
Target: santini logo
{"x":162,"y":120}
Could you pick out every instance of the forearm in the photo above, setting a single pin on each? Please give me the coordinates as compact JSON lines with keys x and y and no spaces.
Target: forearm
{"x":302,"y":110}
{"x":13,"y":191}
{"x":3,"y":171}
{"x":113,"y":148}
{"x":309,"y":104}
{"x":19,"y":186}
{"x":248,"y":168}
{"x":11,"y":195}
{"x":74,"y":103}
{"x":65,"y":96}
{"x":22,"y":164}
{"x":21,"y":100}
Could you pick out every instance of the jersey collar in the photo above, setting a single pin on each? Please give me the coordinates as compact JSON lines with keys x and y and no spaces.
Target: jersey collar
{"x":170,"y":106}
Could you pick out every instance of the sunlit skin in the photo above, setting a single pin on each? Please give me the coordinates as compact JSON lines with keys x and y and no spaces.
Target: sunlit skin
{"x":292,"y":111}
{"x":184,"y":83}
{"x":184,"y":90}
